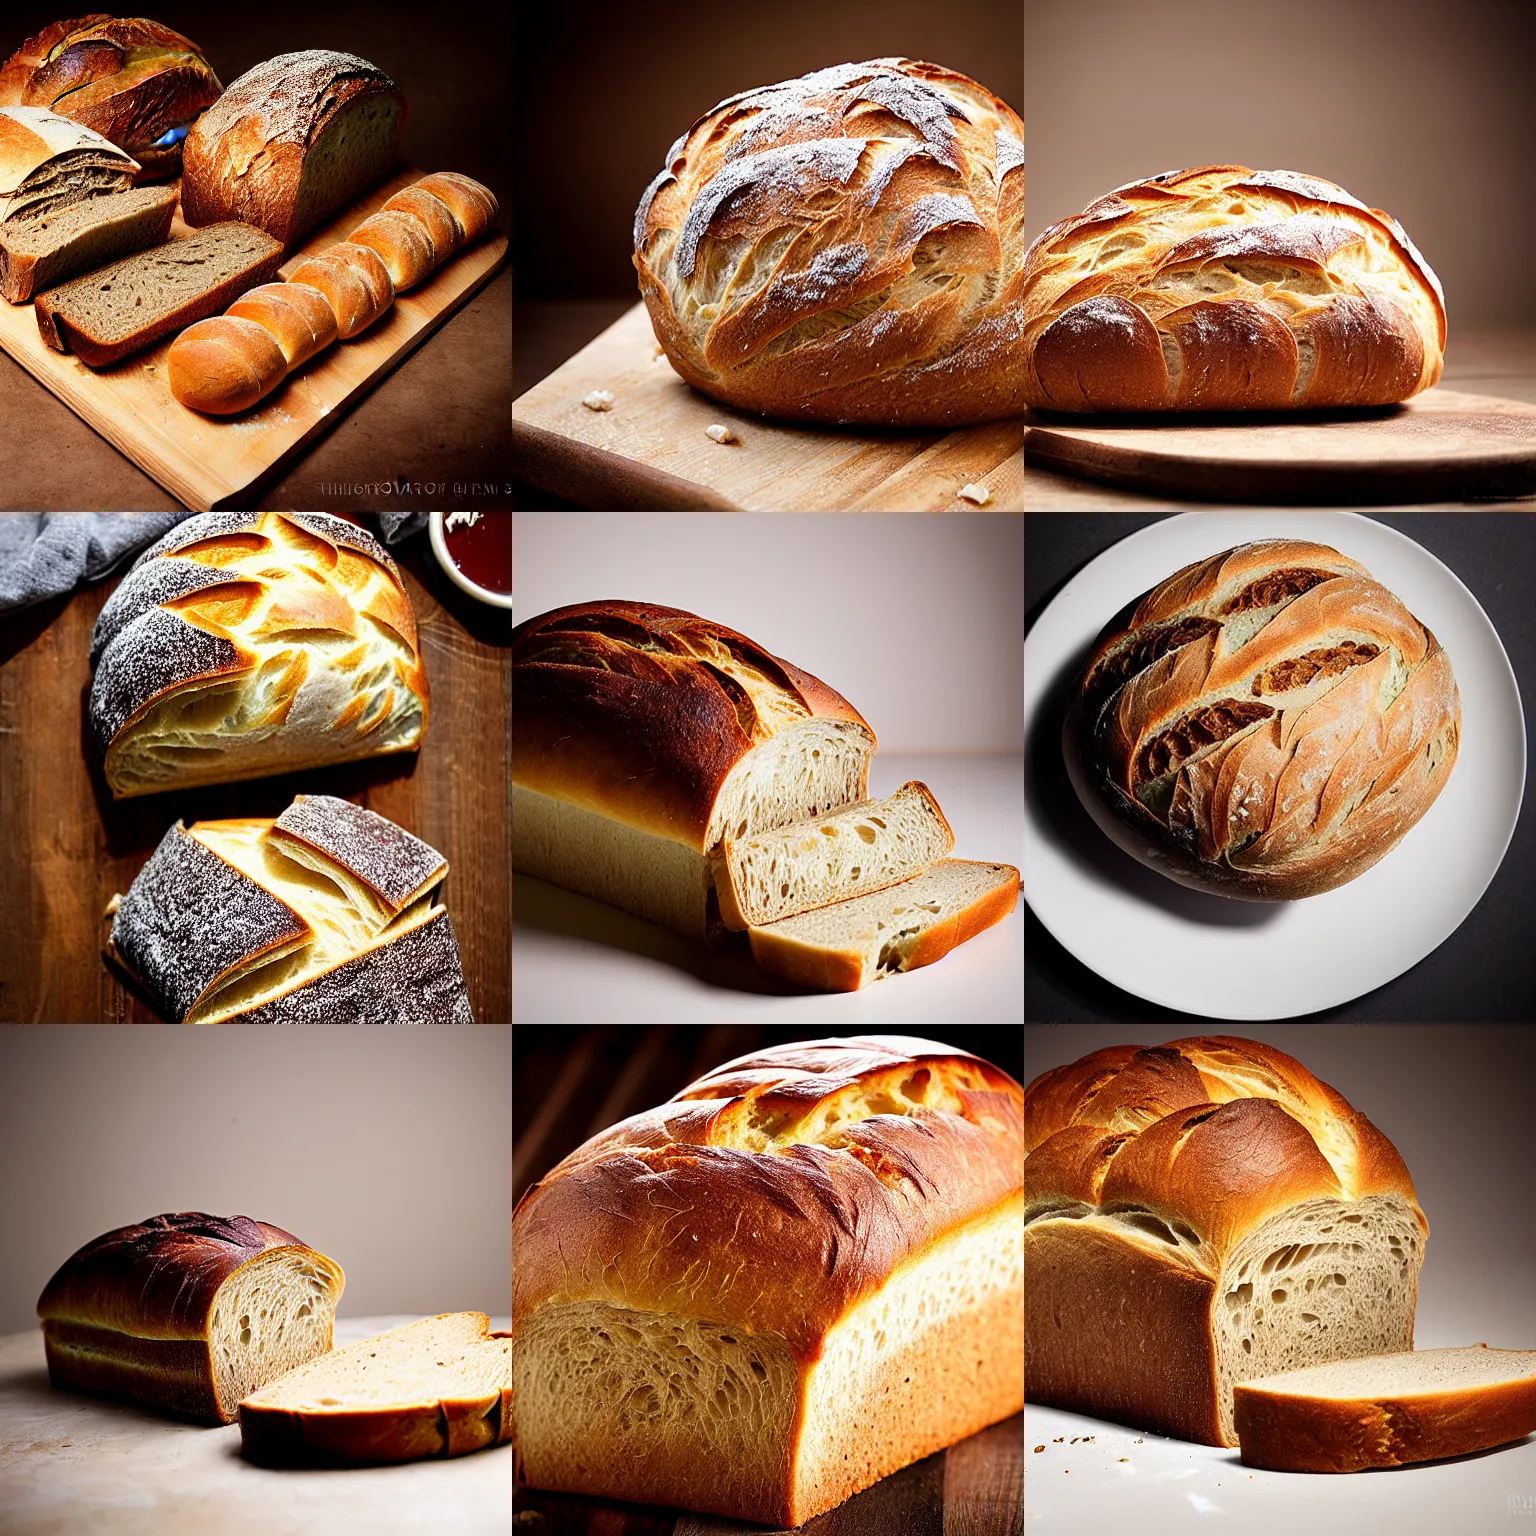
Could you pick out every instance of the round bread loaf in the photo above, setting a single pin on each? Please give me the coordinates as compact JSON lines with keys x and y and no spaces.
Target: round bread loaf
{"x":845,"y":247}
{"x":1264,"y":724}
{"x":1222,"y":288}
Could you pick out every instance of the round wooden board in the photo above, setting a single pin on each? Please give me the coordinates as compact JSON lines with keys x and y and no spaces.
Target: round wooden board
{"x":1439,"y":446}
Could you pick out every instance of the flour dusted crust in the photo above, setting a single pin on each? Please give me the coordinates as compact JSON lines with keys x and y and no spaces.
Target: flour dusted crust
{"x":1267,"y":723}
{"x":328,"y":915}
{"x":300,"y":620}
{"x":1222,"y":288}
{"x":845,"y":247}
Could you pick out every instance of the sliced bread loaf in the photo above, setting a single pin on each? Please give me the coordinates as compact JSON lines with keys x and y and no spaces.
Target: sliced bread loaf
{"x":846,"y":853}
{"x":439,"y":1387}
{"x":108,"y":315}
{"x":1387,"y":1410}
{"x":844,"y":947}
{"x":37,"y":253}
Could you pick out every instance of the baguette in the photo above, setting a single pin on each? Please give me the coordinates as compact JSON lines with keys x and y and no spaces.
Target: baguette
{"x":832,"y":858}
{"x":844,"y":947}
{"x":1387,"y":1410}
{"x":222,"y":369}
{"x":801,"y":1273}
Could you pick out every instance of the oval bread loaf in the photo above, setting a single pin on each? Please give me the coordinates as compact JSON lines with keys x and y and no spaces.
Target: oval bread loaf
{"x":401,"y":242}
{"x":224,"y":364}
{"x":1266,"y":724}
{"x":437,"y":217}
{"x":355,"y":281}
{"x":473,"y":205}
{"x":299,"y":318}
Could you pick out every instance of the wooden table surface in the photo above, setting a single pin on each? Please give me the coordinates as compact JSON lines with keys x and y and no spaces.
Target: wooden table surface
{"x":66,"y":847}
{"x":74,"y":1465}
{"x":1489,"y":363}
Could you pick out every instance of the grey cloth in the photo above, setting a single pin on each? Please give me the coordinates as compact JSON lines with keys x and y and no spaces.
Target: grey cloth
{"x":45,"y":554}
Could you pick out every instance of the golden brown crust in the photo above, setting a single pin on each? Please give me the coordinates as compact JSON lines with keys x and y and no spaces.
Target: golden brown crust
{"x":1267,"y":723}
{"x":790,"y":252}
{"x":1221,"y":288}
{"x":640,"y":712}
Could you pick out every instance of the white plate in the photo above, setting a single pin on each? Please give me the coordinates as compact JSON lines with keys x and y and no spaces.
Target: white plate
{"x":1227,"y":959}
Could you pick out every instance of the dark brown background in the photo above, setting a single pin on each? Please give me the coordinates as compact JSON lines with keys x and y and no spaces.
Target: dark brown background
{"x":568,"y":1084}
{"x":66,"y":847}
{"x":1422,"y":107}
{"x":443,"y":417}
{"x":589,"y":139}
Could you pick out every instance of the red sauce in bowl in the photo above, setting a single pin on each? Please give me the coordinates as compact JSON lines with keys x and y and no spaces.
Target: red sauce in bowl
{"x":483,"y":549}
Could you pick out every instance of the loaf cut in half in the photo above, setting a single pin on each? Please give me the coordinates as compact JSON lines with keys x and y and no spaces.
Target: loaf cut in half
{"x":801,"y":1273}
{"x":1387,"y":1410}
{"x":48,"y":162}
{"x":845,"y":247}
{"x":38,"y":253}
{"x":1200,"y":1214}
{"x":188,"y":1313}
{"x":848,"y":945}
{"x":111,"y":314}
{"x":1264,"y":724}
{"x":327,"y":915}
{"x":846,"y":853}
{"x":439,"y":1387}
{"x":253,"y":643}
{"x":1226,"y":289}
{"x":644,"y":736}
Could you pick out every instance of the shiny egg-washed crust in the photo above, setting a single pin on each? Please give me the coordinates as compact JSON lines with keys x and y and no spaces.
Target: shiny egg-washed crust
{"x":1274,"y":763}
{"x":1221,"y":288}
{"x":129,"y":1314}
{"x":845,"y":247}
{"x":223,"y":593}
{"x":778,"y":1195}
{"x":624,"y":708}
{"x":1201,"y":1140}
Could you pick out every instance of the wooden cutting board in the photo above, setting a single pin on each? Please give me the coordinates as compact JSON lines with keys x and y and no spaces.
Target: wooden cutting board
{"x":650,"y":451}
{"x":1440,"y":446}
{"x":71,"y":1463}
{"x":212,"y":461}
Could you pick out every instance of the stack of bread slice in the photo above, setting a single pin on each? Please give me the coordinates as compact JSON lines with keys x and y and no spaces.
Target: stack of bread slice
{"x":863,"y":892}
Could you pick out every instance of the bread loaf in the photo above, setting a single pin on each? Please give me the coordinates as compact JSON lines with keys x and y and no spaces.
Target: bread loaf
{"x":1199,"y":1214}
{"x":798,"y":1275}
{"x":851,"y":943}
{"x":188,"y":1313}
{"x":222,"y":369}
{"x":291,"y":142}
{"x":845,"y":853}
{"x":327,"y":915}
{"x":1265,"y":724}
{"x":135,"y":82}
{"x":1221,"y":289}
{"x":41,"y":252}
{"x":846,"y":247}
{"x":48,"y":162}
{"x":644,"y":736}
{"x":435,"y":1388}
{"x":252,"y":643}
{"x":1387,"y":1410}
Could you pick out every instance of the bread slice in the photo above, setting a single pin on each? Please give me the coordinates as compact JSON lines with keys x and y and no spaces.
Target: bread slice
{"x":439,"y":1387}
{"x":846,"y":946}
{"x":846,"y":853}
{"x":108,"y":315}
{"x":1387,"y":1410}
{"x":37,"y":253}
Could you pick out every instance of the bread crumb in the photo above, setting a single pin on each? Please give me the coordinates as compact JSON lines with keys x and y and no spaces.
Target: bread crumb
{"x":1038,"y":1449}
{"x":598,"y":400}
{"x":721,"y":434}
{"x":1125,"y":1458}
{"x":976,"y":493}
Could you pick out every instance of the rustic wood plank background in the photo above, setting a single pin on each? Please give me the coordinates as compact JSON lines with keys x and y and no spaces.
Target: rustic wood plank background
{"x":568,"y":1084}
{"x":66,"y":847}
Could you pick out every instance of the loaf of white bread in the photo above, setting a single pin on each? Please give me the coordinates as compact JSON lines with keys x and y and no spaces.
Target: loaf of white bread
{"x":228,"y":362}
{"x":188,"y":1313}
{"x":252,"y":643}
{"x":802,"y":1272}
{"x":1199,"y":1214}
